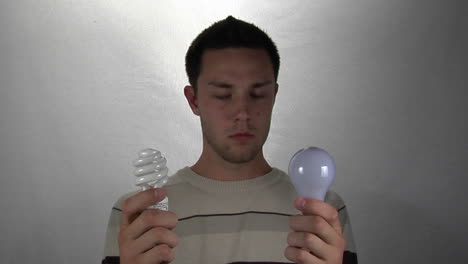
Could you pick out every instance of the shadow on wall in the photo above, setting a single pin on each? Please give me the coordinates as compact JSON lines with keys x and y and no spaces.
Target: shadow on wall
{"x":410,"y":235}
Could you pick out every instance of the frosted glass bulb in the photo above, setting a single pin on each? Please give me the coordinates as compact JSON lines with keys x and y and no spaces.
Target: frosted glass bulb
{"x":151,"y":171}
{"x":312,"y":171}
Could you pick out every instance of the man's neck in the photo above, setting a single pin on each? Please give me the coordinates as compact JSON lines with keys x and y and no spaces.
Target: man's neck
{"x":216,"y":168}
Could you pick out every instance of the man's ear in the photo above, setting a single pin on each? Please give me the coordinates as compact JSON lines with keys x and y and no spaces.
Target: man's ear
{"x":192,"y":100}
{"x":276,"y":92}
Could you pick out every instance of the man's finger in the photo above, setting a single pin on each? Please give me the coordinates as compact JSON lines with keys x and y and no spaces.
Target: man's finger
{"x":158,"y":254}
{"x":310,"y":206}
{"x":151,"y":218}
{"x":315,"y":225}
{"x":137,"y":203}
{"x":301,"y":256}
{"x":155,"y":236}
{"x":310,"y":242}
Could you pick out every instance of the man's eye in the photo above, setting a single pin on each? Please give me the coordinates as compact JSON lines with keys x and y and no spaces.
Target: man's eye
{"x":223,"y":97}
{"x":257,"y":96}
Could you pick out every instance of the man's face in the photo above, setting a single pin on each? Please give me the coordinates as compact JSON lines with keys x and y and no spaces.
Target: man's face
{"x":235,"y":98}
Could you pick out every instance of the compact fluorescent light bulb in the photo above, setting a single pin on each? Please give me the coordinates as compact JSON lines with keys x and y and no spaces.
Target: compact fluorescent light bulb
{"x":312,"y":171}
{"x":151,"y":171}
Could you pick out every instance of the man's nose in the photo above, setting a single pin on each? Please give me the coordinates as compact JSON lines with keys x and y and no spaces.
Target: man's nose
{"x":242,"y":109}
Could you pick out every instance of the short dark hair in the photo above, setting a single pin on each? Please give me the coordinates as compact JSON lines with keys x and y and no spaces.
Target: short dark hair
{"x":228,"y":33}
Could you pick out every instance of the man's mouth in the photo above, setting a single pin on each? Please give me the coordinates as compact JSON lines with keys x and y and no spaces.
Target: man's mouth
{"x":241,"y":136}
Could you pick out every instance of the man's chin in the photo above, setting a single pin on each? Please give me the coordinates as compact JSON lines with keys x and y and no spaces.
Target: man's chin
{"x":237,"y":160}
{"x":239,"y":157}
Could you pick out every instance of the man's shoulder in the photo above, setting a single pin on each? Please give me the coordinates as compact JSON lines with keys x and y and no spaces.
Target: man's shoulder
{"x":177,"y":177}
{"x":334,"y":199}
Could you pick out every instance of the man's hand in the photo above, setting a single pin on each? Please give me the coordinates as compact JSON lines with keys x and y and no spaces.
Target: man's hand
{"x":145,"y":235}
{"x":317,"y":236}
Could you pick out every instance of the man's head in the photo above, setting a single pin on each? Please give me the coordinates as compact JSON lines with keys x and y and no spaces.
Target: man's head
{"x":228,"y":33}
{"x":233,"y":68}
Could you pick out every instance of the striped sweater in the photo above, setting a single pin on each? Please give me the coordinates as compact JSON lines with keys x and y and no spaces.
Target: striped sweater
{"x":231,"y":221}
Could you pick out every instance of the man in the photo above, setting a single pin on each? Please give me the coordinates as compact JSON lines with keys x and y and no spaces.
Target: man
{"x":231,"y":206}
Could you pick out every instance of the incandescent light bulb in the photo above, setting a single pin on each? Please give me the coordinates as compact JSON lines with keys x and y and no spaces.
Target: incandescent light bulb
{"x":312,"y":171}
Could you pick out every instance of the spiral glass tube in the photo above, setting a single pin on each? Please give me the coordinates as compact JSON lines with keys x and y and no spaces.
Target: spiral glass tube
{"x":151,"y":171}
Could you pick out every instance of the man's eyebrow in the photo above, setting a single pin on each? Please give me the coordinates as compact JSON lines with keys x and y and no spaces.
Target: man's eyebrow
{"x":261,"y":84}
{"x":227,"y":85}
{"x":220,"y":84}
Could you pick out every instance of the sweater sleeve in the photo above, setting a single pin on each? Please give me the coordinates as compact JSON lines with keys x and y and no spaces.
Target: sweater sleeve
{"x":111,"y":246}
{"x":350,"y":254}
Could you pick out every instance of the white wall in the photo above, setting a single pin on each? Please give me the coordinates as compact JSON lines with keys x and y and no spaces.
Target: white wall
{"x":380,"y":84}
